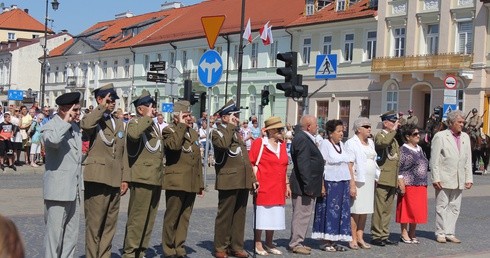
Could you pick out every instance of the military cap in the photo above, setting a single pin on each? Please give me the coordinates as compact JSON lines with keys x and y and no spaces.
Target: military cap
{"x":182,"y":106}
{"x":474,"y":110}
{"x":69,"y":98}
{"x":390,"y":115}
{"x":228,"y":108}
{"x":104,"y":90}
{"x":144,"y":99}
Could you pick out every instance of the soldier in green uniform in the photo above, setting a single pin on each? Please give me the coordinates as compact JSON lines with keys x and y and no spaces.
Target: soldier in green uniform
{"x":411,"y":118}
{"x":474,"y":123}
{"x":182,"y":179}
{"x":234,"y":179}
{"x":144,"y":172}
{"x":384,"y":195}
{"x":103,"y":173}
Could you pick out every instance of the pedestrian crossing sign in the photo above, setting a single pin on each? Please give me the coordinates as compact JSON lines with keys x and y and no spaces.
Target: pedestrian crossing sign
{"x":326,"y":66}
{"x":447,"y":108}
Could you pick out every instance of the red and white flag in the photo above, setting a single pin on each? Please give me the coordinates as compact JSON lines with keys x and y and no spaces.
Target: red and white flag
{"x":266,"y":34}
{"x":247,"y":33}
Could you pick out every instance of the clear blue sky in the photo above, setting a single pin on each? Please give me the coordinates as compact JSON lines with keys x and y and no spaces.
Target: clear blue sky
{"x":78,"y":15}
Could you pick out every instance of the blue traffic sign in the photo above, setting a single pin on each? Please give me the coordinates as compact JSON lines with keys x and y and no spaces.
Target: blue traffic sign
{"x":446,"y":108}
{"x":167,"y":107}
{"x":210,"y":68}
{"x":326,"y":67}
{"x":15,"y":95}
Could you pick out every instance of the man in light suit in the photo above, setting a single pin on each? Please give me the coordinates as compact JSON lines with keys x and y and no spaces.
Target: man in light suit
{"x":103,"y":173}
{"x":63,"y":177}
{"x":450,"y":165}
{"x":306,"y":181}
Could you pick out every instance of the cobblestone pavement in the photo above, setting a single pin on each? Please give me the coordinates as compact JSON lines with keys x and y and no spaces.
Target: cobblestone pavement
{"x":21,"y":200}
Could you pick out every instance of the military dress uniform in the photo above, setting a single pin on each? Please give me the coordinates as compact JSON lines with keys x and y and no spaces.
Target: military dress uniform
{"x":388,"y":157}
{"x":473,"y":124}
{"x":182,"y":181}
{"x":234,"y":179}
{"x":143,"y":169}
{"x":102,"y":176}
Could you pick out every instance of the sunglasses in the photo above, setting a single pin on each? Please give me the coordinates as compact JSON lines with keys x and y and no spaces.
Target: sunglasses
{"x":366,"y":126}
{"x":415,"y":134}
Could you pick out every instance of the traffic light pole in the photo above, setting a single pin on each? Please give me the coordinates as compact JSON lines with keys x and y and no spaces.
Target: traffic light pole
{"x":240,"y":58}
{"x":306,"y":101}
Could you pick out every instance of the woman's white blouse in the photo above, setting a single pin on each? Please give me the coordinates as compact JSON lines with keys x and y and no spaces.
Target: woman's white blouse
{"x":336,"y":164}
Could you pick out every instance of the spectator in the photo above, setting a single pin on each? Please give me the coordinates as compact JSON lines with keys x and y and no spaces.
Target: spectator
{"x":35,"y":131}
{"x":17,"y":142}
{"x":306,"y":181}
{"x":332,"y":212}
{"x":7,"y":130}
{"x":255,"y":129}
{"x":385,"y":190}
{"x":204,"y":116}
{"x":160,"y":123}
{"x":366,"y":171}
{"x":289,"y":139}
{"x":450,"y":166}
{"x":246,"y":134}
{"x":269,"y":160}
{"x":412,"y":181}
{"x":47,"y":115}
{"x":411,"y":118}
{"x":1,"y":113}
{"x":11,"y":245}
{"x":25,"y":124}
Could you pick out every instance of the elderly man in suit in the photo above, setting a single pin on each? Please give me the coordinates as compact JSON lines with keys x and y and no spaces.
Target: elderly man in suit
{"x":63,"y":178}
{"x":182,"y":179}
{"x":388,"y":157}
{"x":234,"y":179}
{"x":143,"y":169}
{"x":306,"y":181}
{"x":102,"y":173}
{"x":450,"y":166}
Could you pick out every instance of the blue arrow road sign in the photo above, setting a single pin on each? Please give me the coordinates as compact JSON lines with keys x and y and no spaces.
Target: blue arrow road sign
{"x":446,"y":108}
{"x":167,"y":107}
{"x":210,"y":68}
{"x":326,"y":67}
{"x":15,"y":95}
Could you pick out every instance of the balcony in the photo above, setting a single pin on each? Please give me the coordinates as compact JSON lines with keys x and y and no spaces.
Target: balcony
{"x":421,"y":63}
{"x":75,"y":82}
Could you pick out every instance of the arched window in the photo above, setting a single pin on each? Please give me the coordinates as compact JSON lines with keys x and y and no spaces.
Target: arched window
{"x":390,"y":96}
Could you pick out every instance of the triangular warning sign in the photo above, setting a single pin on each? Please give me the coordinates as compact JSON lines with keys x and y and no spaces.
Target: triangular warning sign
{"x":212,"y":26}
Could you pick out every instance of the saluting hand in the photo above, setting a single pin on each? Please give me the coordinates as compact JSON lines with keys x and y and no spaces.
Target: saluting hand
{"x":69,"y":115}
{"x":105,"y":100}
{"x":149,"y":110}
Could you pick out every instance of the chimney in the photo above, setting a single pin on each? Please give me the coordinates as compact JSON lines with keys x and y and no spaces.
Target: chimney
{"x":171,"y":5}
{"x":13,"y":7}
{"x":64,"y":31}
{"x":26,"y":10}
{"x":126,"y":14}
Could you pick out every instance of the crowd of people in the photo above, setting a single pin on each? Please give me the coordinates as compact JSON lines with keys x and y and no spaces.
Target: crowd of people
{"x":335,"y":184}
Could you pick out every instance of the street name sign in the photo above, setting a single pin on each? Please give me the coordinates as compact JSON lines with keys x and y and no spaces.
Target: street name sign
{"x":156,"y":77}
{"x":158,"y":66}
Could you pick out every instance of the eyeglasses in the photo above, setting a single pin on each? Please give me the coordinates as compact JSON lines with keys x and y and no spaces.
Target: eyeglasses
{"x":366,"y":126}
{"x":415,"y":134}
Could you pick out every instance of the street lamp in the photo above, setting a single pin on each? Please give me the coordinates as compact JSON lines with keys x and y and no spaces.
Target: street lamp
{"x":54,"y":4}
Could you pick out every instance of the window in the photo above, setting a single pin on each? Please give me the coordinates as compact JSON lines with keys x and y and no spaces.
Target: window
{"x":391,"y":100}
{"x":104,"y":70}
{"x":114,"y":69}
{"x":371,"y":45}
{"x":310,"y":7}
{"x":235,"y":56}
{"x":299,"y":109}
{"x":344,"y":114}
{"x":433,"y":39}
{"x":341,"y":5}
{"x":172,"y":58}
{"x":254,"y":55}
{"x":348,"y":47}
{"x":184,"y":59}
{"x":327,"y":45}
{"x":64,"y":75}
{"x":126,"y":68}
{"x":306,"y":50}
{"x":48,"y":75}
{"x":322,"y":113}
{"x":399,"y":36}
{"x":56,"y":74}
{"x":465,"y":37}
{"x":365,"y":106}
{"x":159,"y":57}
{"x":34,"y":36}
{"x":323,"y":3}
{"x":219,"y":50}
{"x":146,"y":64}
{"x":273,"y":54}
{"x":11,"y":36}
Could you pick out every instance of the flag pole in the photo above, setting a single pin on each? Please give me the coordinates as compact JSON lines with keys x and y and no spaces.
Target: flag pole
{"x":240,"y":58}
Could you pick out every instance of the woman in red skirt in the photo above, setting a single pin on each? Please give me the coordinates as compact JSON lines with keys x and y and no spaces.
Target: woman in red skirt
{"x":411,"y":206}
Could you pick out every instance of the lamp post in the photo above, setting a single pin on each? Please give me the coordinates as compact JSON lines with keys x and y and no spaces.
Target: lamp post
{"x":54,"y":4}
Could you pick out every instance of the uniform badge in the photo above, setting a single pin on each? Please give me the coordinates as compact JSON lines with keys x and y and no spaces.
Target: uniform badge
{"x":120,"y":134}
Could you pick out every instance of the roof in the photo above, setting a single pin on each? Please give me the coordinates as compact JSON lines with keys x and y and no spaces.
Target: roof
{"x":20,"y":42}
{"x":328,"y":13}
{"x":17,"y":19}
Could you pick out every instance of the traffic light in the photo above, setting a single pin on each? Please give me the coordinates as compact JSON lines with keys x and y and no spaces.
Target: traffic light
{"x":289,"y":71}
{"x":188,"y":94}
{"x":264,"y":97}
{"x":300,"y":90}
